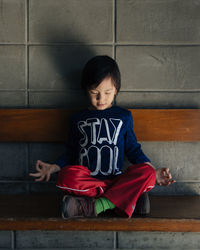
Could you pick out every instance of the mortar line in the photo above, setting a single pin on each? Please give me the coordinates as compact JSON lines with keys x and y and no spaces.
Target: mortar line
{"x":25,"y":181}
{"x":100,"y":44}
{"x":161,"y":90}
{"x":12,"y":90}
{"x":69,"y":44}
{"x":158,"y":44}
{"x":126,"y":90}
{"x":121,"y":90}
{"x":13,"y":239}
{"x":27,"y":74}
{"x":25,"y":77}
{"x":115,"y":242}
{"x":26,"y":52}
{"x":52,"y":182}
{"x":26,"y":22}
{"x":187,"y":91}
{"x":114,"y":29}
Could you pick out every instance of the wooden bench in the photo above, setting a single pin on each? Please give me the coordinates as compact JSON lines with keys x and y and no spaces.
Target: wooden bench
{"x":41,"y":211}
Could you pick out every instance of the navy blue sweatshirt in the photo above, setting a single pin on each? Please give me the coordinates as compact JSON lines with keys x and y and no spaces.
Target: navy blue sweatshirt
{"x":98,"y":139}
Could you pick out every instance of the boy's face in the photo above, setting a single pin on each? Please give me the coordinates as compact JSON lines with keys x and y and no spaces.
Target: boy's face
{"x":103,"y":95}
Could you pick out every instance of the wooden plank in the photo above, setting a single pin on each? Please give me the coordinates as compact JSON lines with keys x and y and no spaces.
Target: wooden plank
{"x":34,"y":125}
{"x":167,"y":124}
{"x":51,"y":125}
{"x":135,"y":224}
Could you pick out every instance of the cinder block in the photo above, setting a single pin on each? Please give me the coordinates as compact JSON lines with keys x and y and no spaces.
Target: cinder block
{"x":158,"y":22}
{"x":59,"y":67}
{"x":159,"y":67}
{"x":178,"y":188}
{"x":47,"y":152}
{"x":12,"y":188}
{"x":12,"y":99}
{"x":71,"y":21}
{"x":44,"y":187}
{"x":158,"y":240}
{"x":12,"y":67}
{"x":12,"y":21}
{"x":61,"y":239}
{"x":5,"y":239}
{"x":64,"y":99}
{"x":13,"y":158}
{"x":158,"y":99}
{"x":182,"y":158}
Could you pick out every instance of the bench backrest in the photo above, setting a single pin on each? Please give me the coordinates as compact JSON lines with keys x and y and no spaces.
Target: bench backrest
{"x":51,"y":125}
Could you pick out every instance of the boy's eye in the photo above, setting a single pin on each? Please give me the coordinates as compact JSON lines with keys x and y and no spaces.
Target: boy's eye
{"x":108,"y":93}
{"x":93,"y":93}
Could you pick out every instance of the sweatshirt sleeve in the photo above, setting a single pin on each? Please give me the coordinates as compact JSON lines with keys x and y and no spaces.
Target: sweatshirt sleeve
{"x":133,"y":149}
{"x":67,"y":157}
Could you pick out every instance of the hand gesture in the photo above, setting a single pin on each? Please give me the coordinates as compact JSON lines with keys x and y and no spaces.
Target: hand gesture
{"x":164,"y":177}
{"x":44,"y":170}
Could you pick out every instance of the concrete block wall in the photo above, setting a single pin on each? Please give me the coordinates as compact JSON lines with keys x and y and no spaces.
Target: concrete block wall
{"x":98,"y":240}
{"x":44,"y":45}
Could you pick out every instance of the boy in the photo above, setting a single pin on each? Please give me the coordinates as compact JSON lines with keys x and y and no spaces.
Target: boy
{"x":91,"y":171}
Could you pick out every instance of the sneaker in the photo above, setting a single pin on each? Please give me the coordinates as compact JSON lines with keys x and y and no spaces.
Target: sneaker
{"x":78,"y":207}
{"x":143,"y":205}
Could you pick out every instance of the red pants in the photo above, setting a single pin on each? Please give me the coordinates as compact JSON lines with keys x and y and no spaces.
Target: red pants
{"x":123,"y":190}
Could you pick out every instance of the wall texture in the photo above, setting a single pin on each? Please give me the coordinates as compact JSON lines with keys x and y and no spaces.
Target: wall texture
{"x":107,"y":240}
{"x":44,"y":45}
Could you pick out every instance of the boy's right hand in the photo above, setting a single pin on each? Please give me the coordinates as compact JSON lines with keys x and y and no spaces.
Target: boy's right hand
{"x":44,"y":170}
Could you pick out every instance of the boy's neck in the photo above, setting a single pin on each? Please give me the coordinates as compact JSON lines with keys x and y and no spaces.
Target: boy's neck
{"x":93,"y":108}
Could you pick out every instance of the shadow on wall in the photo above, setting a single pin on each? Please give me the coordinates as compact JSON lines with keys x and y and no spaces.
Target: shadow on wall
{"x":69,"y":60}
{"x":62,"y":67}
{"x":59,"y":66}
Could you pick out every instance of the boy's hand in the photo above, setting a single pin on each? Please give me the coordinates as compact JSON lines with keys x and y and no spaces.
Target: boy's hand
{"x":44,"y":170}
{"x":164,"y":177}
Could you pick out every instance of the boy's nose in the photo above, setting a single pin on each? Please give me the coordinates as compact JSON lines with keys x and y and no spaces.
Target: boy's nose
{"x":100,"y":97}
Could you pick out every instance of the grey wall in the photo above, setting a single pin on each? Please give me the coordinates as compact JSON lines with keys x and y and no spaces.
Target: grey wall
{"x":44,"y":45}
{"x":98,"y":240}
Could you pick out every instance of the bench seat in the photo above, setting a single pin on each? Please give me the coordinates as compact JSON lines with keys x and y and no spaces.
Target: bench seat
{"x":41,"y":212}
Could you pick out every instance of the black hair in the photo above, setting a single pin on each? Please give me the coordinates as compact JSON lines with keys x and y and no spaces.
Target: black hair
{"x":97,"y":69}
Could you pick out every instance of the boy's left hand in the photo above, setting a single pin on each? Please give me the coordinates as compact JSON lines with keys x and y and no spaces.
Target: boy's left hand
{"x":164,"y":177}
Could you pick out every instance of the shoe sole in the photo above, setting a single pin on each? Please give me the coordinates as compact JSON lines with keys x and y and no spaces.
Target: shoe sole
{"x":64,"y":208}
